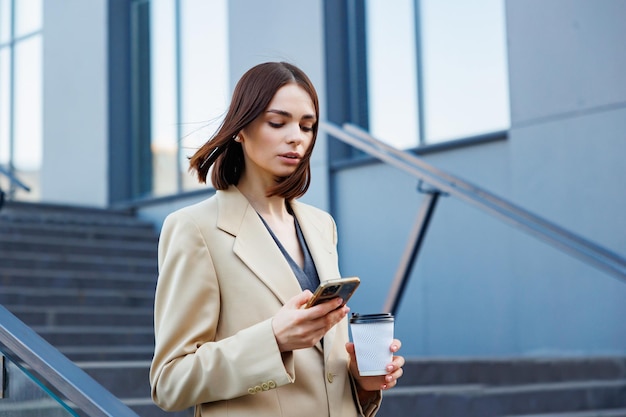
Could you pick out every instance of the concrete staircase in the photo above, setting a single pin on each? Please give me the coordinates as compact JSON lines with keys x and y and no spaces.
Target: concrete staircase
{"x":523,"y":387}
{"x":84,"y":280}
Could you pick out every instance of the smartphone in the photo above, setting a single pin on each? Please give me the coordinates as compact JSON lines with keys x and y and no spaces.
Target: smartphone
{"x":327,"y":290}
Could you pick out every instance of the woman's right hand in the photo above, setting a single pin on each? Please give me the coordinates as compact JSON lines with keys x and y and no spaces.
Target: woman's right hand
{"x":296,"y":327}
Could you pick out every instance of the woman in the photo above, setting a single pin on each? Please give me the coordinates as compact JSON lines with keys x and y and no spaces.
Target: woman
{"x":232,"y":336}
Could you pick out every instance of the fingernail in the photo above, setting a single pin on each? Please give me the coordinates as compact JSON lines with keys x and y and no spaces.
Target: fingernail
{"x":389,"y":368}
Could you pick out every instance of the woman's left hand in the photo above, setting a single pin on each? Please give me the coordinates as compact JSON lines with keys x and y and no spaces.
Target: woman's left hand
{"x":379,"y":382}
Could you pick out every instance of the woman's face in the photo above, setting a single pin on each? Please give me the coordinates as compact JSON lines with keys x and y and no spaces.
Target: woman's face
{"x":275,"y":142}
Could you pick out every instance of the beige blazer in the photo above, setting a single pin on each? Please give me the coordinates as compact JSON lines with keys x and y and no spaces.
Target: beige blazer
{"x":221,"y":280}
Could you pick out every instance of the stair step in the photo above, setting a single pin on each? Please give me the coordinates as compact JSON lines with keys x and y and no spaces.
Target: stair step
{"x":76,"y":316}
{"x":42,"y":213}
{"x":74,"y":279}
{"x":122,"y":248}
{"x":130,"y":379}
{"x":104,"y":231}
{"x":621,"y":412}
{"x":100,"y":335}
{"x":107,"y":352}
{"x":74,"y":297}
{"x":29,"y":260}
{"x":501,"y":371}
{"x":484,"y":401}
{"x":144,"y":407}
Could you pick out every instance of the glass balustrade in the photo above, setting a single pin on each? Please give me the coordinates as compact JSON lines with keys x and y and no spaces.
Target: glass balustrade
{"x":25,"y":396}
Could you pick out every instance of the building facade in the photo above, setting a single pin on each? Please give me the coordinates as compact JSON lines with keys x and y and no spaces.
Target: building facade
{"x":524,"y":98}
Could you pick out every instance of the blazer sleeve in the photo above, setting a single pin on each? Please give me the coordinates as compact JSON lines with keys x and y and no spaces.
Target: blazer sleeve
{"x":189,"y":366}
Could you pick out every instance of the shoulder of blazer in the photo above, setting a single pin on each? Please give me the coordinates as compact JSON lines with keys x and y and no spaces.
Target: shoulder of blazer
{"x":195,"y":212}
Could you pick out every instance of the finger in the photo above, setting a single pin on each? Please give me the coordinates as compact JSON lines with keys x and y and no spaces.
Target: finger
{"x":298,"y":301}
{"x":351,"y":351}
{"x":398,"y":361}
{"x":326,"y":307}
{"x":395,"y":345}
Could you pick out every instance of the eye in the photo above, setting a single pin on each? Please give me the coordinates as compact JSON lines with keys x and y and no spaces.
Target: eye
{"x":275,"y":124}
{"x":306,"y":128}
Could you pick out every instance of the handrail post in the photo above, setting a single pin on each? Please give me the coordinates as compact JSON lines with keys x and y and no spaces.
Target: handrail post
{"x":418,"y":233}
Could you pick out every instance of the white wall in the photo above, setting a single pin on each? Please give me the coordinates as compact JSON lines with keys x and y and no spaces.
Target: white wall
{"x":75,"y":142}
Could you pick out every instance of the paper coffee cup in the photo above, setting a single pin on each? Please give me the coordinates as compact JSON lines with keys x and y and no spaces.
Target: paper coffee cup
{"x":372,"y":335}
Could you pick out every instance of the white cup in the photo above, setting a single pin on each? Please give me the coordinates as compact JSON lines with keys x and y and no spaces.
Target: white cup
{"x":372,"y":335}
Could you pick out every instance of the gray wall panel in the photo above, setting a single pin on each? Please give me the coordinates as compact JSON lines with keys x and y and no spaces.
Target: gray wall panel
{"x":565,"y":56}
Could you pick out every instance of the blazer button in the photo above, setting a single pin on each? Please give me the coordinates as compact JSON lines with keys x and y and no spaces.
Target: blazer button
{"x":271,"y":384}
{"x":330,"y":377}
{"x":258,"y":388}
{"x":265,"y":386}
{"x":251,"y":391}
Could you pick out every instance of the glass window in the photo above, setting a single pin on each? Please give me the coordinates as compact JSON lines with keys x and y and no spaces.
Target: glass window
{"x":5,"y":116}
{"x":163,"y":77}
{"x":456,"y":54}
{"x":391,"y":69}
{"x":464,"y":68}
{"x":27,"y":106}
{"x":21,"y":93}
{"x":5,"y":21}
{"x":28,"y":17}
{"x":190,"y":95}
{"x":204,"y":77}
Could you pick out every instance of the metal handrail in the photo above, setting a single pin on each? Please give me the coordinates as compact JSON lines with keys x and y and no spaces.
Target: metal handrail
{"x":568,"y":242}
{"x":14,"y":181}
{"x":24,"y":345}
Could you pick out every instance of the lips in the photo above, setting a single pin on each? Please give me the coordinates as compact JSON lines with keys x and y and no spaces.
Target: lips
{"x":291,"y":155}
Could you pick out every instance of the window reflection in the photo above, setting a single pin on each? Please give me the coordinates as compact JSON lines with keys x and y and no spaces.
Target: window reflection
{"x":462,"y":70}
{"x":4,"y":106}
{"x":5,"y":21}
{"x":189,"y":95}
{"x":392,"y":82}
{"x":21,"y":92}
{"x":28,"y":16}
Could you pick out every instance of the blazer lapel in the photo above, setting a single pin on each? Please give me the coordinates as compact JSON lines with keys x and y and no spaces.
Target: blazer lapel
{"x":319,"y":242}
{"x":321,"y":245}
{"x":254,"y":245}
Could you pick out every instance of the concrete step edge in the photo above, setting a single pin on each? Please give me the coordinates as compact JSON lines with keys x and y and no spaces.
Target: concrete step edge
{"x":614,"y":412}
{"x":66,"y":258}
{"x":60,"y":273}
{"x":99,"y":292}
{"x":100,"y":230}
{"x":113,"y":364}
{"x":85,"y":349}
{"x":54,"y":242}
{"x":43,"y":330}
{"x":482,"y":389}
{"x":83,"y":310}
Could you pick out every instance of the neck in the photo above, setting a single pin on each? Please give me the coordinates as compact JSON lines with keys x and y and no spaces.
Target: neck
{"x":268,"y":207}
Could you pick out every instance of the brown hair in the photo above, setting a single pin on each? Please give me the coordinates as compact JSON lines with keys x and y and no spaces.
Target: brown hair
{"x":252,"y":95}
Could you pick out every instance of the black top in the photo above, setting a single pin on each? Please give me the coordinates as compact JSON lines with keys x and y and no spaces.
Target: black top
{"x":307,"y":276}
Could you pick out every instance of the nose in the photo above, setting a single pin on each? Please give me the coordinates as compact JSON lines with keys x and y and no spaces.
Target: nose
{"x":295,"y":135}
